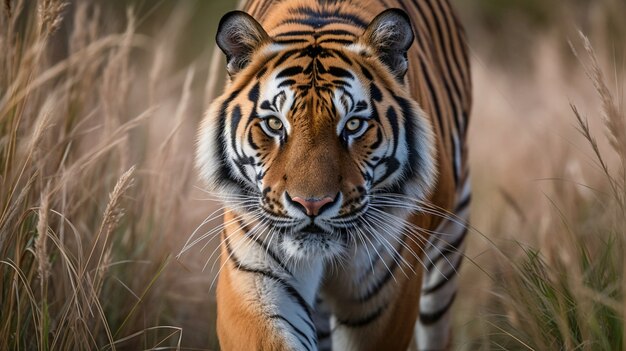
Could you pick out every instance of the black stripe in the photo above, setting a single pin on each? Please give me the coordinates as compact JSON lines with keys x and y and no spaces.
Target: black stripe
{"x":286,"y":83}
{"x":366,"y":73}
{"x":334,"y":32}
{"x":445,"y":277}
{"x":242,"y":267}
{"x":340,"y":72}
{"x":323,"y":14}
{"x":253,"y":145}
{"x":264,"y":246}
{"x":463,"y":204}
{"x":446,"y":86}
{"x":449,"y":248}
{"x":433,"y":92}
{"x":375,"y":92}
{"x":319,"y":22}
{"x":291,"y":41}
{"x":285,"y":56}
{"x":360,"y":106}
{"x":294,"y":294}
{"x":373,"y":264}
{"x":235,"y":118}
{"x":432,"y":318}
{"x":453,"y":33}
{"x":378,"y":287}
{"x":392,"y":164}
{"x":323,"y":334}
{"x":295,"y":33}
{"x":361,"y":322}
{"x":253,"y":94}
{"x":392,"y":117}
{"x":336,"y":41}
{"x":289,"y":289}
{"x":433,"y":95}
{"x":308,"y":323}
{"x":416,"y":163}
{"x":300,"y":332}
{"x":445,"y":44}
{"x":313,"y":33}
{"x":341,"y":83}
{"x":261,"y":72}
{"x":265,"y":6}
{"x":224,"y":170}
{"x":289,"y":72}
{"x":459,"y":36}
{"x":265,"y":105}
{"x":341,"y":56}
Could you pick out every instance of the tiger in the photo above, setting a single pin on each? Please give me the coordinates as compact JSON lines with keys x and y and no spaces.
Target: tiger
{"x":338,"y":149}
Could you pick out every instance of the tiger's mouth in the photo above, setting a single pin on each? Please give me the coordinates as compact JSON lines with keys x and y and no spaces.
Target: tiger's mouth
{"x":339,"y":223}
{"x":313,"y":228}
{"x":325,"y":238}
{"x":312,"y":242}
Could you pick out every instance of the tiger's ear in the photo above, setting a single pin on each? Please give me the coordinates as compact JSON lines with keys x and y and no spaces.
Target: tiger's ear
{"x":390,"y":34}
{"x":239,"y":35}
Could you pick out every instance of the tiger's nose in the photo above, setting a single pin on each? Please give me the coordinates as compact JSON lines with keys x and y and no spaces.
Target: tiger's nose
{"x":310,"y":206}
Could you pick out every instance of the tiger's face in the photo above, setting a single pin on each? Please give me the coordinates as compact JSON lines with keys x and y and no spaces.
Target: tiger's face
{"x":308,"y":134}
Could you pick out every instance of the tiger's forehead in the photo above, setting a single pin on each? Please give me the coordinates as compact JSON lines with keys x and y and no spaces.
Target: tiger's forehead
{"x":333,"y":33}
{"x":313,"y":79}
{"x":312,"y":66}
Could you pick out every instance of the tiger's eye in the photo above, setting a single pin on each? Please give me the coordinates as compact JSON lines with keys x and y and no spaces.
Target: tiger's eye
{"x":353,"y":124}
{"x":275,"y":124}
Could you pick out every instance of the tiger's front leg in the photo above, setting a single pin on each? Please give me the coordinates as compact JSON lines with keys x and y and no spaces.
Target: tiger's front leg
{"x":262,"y":304}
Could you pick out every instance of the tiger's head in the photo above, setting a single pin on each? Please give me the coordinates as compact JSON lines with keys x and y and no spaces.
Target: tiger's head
{"x":310,"y":132}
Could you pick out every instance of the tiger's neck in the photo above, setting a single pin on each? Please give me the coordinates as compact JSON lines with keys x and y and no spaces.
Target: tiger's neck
{"x":359,"y":276}
{"x":252,"y":248}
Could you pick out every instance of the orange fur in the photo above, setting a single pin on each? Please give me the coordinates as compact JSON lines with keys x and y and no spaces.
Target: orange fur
{"x":237,"y":311}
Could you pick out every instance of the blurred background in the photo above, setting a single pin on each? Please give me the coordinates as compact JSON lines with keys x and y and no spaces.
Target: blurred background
{"x":100,"y":101}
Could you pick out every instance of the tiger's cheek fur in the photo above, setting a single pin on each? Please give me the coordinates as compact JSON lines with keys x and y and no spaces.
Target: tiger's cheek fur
{"x":273,"y":184}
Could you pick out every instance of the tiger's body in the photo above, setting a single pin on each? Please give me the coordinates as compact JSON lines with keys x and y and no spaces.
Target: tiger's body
{"x":339,"y":147}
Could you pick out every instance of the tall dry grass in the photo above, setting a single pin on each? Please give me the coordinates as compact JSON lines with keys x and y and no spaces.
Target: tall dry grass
{"x":550,"y":273}
{"x":95,"y":142}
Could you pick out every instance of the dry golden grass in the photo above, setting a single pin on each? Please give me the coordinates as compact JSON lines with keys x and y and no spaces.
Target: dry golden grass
{"x":92,"y":182}
{"x":98,"y":192}
{"x":546,"y":269}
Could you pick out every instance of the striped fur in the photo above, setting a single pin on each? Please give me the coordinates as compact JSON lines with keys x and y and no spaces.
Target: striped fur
{"x":338,"y":148}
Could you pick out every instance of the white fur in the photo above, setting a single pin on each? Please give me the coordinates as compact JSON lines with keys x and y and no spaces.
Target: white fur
{"x":206,"y":151}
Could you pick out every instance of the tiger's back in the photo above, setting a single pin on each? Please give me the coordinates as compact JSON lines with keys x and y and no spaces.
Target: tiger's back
{"x":368,"y":303}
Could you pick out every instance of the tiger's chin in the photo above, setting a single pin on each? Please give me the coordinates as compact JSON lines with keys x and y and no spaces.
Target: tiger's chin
{"x":312,"y":244}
